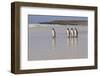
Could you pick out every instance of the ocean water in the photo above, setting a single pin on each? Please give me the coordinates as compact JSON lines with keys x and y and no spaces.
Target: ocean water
{"x":42,"y":46}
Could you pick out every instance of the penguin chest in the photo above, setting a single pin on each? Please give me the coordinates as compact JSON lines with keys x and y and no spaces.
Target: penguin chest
{"x":53,"y":32}
{"x":68,"y":33}
{"x":75,"y":33}
{"x":71,"y":32}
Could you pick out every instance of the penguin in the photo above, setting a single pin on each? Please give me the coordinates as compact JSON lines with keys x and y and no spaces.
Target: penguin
{"x":75,"y":33}
{"x":71,"y":32}
{"x":53,"y":33}
{"x":68,"y":32}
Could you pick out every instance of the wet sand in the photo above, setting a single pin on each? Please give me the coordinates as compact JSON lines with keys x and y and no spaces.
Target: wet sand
{"x":41,"y":45}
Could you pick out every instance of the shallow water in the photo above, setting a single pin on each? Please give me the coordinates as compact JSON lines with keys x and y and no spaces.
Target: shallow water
{"x":42,"y":46}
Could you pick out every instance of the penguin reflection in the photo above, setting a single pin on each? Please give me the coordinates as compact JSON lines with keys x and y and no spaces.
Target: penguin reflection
{"x":53,"y":42}
{"x":73,"y":42}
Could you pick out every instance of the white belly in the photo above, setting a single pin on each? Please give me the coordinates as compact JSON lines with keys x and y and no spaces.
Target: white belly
{"x":68,"y":33}
{"x":75,"y":33}
{"x":53,"y":33}
{"x":72,"y":33}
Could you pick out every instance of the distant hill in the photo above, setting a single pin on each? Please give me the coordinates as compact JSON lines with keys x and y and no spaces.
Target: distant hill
{"x":67,"y":22}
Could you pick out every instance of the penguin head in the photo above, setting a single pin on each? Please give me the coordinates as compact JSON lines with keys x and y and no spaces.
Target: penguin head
{"x":71,"y":28}
{"x":67,"y":28}
{"x":52,"y":28}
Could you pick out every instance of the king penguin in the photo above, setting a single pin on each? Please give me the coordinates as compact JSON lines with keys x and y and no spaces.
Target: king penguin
{"x":75,"y":32}
{"x":53,"y":33}
{"x":68,"y":32}
{"x":71,"y":32}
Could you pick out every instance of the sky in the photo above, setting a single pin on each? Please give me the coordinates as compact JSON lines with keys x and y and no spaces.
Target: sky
{"x":32,"y":19}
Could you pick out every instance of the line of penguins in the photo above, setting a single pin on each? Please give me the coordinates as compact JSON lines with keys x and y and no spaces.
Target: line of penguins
{"x":71,"y":32}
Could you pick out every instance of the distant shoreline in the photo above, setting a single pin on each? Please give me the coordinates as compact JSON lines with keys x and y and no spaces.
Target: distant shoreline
{"x":67,"y":22}
{"x":52,"y":25}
